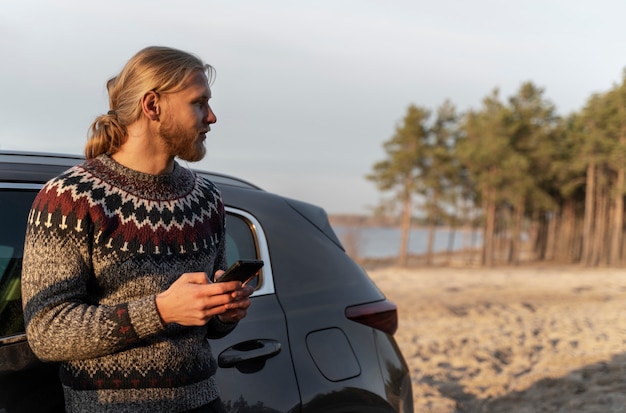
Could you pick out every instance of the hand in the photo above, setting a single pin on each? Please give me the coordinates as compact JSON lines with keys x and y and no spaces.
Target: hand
{"x":238,"y":308}
{"x":192,"y":300}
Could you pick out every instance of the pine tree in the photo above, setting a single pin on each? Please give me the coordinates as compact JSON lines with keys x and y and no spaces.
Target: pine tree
{"x":400,"y":172}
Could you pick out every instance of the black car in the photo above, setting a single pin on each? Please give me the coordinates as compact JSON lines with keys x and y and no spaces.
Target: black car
{"x":318,"y":336}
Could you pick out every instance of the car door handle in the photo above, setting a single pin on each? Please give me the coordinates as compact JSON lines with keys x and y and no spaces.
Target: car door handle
{"x":247,"y":351}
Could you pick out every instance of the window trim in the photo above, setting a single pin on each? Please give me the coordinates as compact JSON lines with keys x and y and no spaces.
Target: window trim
{"x":12,"y":185}
{"x":267,"y":286}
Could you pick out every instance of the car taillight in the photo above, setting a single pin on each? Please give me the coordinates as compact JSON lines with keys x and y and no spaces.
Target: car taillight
{"x":381,"y":315}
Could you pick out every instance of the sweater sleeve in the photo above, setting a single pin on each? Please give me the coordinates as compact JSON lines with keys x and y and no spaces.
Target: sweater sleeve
{"x":215,"y":328}
{"x":218,"y":329}
{"x":61,"y":321}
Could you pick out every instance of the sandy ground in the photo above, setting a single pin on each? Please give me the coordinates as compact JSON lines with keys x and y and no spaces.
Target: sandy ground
{"x":512,"y":340}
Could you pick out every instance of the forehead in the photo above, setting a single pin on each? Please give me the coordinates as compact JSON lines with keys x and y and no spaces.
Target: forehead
{"x":196,"y":84}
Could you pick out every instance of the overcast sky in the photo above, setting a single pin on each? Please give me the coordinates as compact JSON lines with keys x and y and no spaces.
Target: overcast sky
{"x":306,"y":92}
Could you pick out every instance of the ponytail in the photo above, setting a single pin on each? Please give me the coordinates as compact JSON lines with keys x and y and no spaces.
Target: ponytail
{"x":107,"y":135}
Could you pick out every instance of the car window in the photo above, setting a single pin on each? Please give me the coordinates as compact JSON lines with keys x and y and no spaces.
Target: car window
{"x":241,"y":242}
{"x":14,"y":207}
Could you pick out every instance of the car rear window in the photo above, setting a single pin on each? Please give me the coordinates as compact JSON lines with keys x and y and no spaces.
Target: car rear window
{"x":14,"y":207}
{"x":241,"y":242}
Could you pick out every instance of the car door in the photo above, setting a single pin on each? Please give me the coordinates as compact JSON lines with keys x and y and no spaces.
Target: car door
{"x":26,"y":385}
{"x":255,"y":371}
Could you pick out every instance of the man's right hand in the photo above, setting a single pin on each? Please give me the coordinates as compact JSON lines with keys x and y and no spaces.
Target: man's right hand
{"x":192,"y":299}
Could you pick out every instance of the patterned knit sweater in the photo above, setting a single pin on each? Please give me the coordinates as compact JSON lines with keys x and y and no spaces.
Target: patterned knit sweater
{"x":102,"y":241}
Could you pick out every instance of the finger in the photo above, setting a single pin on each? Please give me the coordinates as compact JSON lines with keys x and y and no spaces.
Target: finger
{"x":242,"y":304}
{"x":195,"y":277}
{"x":213,"y":295}
{"x":214,"y":289}
{"x":232,"y":316}
{"x":243,"y":292}
{"x":229,"y":286}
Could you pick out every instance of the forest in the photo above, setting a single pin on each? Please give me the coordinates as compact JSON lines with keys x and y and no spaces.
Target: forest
{"x":541,"y":187}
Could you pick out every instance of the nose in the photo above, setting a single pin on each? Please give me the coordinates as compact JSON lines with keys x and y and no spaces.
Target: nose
{"x":211,"y":118}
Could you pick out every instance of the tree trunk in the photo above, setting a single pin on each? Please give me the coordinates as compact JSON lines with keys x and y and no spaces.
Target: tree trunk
{"x":567,"y":233}
{"x":534,"y":233}
{"x":551,"y":244}
{"x":431,"y":242}
{"x":589,"y":215}
{"x":490,"y":225}
{"x":617,"y":227}
{"x":541,"y":242}
{"x":403,"y":256}
{"x":599,"y":231}
{"x":432,"y":221}
{"x":617,"y":239}
{"x":516,"y":236}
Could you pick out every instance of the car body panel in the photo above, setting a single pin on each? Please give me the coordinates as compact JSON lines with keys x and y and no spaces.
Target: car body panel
{"x":296,"y":351}
{"x":318,"y":281}
{"x":264,"y":379}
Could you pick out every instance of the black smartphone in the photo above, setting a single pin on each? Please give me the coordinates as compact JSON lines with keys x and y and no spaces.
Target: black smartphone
{"x":242,"y":270}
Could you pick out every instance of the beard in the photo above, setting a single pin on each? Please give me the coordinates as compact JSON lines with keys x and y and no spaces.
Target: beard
{"x":182,"y":142}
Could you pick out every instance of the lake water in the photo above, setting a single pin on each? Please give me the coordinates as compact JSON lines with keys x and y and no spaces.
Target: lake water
{"x":384,"y":242}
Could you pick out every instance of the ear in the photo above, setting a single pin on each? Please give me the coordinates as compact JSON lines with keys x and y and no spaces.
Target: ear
{"x":150,"y":105}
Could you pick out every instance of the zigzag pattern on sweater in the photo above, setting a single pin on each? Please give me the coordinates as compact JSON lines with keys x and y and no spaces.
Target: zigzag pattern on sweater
{"x":126,"y":220}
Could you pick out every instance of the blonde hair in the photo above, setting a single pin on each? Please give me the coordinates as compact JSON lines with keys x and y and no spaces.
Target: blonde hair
{"x":155,"y":68}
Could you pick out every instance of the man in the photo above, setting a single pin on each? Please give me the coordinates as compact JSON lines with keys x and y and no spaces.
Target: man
{"x":119,"y":251}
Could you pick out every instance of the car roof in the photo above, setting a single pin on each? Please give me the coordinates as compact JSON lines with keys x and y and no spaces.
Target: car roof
{"x":44,"y":166}
{"x":22,"y":168}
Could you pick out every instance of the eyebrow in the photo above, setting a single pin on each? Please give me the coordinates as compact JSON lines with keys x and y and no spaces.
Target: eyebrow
{"x":201,"y":95}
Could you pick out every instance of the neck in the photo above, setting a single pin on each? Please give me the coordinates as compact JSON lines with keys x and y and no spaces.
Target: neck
{"x":142,"y":151}
{"x":142,"y":161}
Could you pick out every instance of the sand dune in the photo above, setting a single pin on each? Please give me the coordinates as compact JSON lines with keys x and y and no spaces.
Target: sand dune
{"x":512,"y":340}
